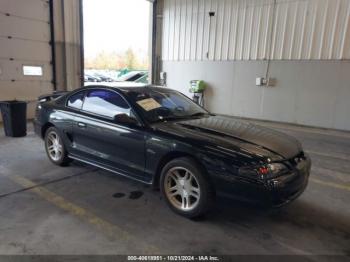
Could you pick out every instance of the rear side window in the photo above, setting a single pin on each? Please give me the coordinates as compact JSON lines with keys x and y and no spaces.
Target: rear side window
{"x":106,"y":103}
{"x":76,"y":100}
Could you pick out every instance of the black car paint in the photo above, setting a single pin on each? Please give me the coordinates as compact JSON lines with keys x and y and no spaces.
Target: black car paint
{"x":219,"y":143}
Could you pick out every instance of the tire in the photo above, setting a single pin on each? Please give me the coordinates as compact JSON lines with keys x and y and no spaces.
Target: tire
{"x":55,"y":151}
{"x":186,"y":188}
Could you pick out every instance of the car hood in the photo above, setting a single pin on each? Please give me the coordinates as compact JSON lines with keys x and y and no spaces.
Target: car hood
{"x":235,"y":134}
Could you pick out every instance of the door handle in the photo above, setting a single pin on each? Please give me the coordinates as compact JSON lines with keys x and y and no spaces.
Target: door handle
{"x":81,"y":125}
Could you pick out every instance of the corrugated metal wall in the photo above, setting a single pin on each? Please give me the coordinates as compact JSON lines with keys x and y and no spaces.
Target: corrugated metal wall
{"x":256,"y":30}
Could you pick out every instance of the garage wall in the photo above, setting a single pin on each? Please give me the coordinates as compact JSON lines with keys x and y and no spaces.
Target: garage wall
{"x":307,"y":93}
{"x":68,"y":43}
{"x":306,"y":41}
{"x":24,"y":40}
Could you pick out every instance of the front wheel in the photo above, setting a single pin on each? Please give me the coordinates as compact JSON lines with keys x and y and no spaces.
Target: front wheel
{"x":55,"y":148}
{"x":186,"y":188}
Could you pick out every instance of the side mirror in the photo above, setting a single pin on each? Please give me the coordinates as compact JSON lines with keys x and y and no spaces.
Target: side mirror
{"x":124,"y":119}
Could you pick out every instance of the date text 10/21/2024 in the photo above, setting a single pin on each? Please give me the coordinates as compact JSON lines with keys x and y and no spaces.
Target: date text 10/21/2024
{"x":173,"y":258}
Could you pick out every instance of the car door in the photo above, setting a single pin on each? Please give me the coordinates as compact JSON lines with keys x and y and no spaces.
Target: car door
{"x":99,"y":139}
{"x":64,"y":119}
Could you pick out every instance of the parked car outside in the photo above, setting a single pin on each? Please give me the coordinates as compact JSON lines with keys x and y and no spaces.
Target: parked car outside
{"x":104,"y":78}
{"x":132,"y":76}
{"x":90,"y":78}
{"x":143,"y":79}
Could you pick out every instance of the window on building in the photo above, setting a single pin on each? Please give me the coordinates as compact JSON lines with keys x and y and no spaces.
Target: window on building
{"x":32,"y":70}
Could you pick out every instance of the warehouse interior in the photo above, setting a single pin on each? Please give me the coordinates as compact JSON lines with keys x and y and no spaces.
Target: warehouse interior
{"x":281,"y":64}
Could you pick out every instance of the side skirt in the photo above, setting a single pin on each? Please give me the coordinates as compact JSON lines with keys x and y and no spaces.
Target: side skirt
{"x":108,"y":169}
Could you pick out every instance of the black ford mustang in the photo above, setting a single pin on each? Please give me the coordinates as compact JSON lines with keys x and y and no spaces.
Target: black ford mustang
{"x":159,"y":136}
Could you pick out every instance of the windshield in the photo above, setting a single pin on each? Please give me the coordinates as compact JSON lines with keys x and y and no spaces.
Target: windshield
{"x":163,"y":105}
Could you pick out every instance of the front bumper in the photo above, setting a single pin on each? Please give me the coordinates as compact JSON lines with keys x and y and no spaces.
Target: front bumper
{"x":290,"y":186}
{"x":272,"y":192}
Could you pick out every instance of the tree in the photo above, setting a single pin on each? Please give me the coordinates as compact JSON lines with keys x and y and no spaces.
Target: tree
{"x":130,"y":59}
{"x":116,"y":61}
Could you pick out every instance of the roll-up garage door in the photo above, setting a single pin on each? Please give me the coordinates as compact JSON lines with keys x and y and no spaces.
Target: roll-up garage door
{"x":25,"y":51}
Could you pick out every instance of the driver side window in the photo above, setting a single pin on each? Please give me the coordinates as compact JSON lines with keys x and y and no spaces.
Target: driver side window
{"x":106,"y":103}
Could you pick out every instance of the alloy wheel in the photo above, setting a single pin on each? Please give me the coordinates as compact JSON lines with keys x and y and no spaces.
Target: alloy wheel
{"x":182,"y":188}
{"x":54,"y":146}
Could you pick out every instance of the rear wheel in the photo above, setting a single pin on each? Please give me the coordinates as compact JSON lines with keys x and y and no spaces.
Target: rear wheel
{"x":55,"y":148}
{"x":186,"y":189}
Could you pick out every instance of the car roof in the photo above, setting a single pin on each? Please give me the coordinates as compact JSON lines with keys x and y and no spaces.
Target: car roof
{"x":126,"y":87}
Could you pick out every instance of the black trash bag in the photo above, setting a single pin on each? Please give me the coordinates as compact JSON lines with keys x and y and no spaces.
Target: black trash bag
{"x":14,"y":116}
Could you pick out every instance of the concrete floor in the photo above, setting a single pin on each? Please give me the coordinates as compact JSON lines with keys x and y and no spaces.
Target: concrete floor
{"x":82,"y":210}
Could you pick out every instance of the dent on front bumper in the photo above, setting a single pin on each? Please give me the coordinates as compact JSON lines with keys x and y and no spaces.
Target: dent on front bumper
{"x":273,"y":192}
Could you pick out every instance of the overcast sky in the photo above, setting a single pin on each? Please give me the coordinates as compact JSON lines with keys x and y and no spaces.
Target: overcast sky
{"x":115,"y":25}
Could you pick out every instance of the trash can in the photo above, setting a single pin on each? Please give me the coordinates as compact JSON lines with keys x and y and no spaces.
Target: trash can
{"x":14,"y":117}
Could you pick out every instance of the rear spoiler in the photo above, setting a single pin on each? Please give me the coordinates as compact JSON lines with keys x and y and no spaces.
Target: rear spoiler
{"x":49,"y":97}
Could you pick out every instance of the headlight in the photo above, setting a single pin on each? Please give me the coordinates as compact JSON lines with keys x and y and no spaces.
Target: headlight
{"x":264,"y":172}
{"x":276,"y":168}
